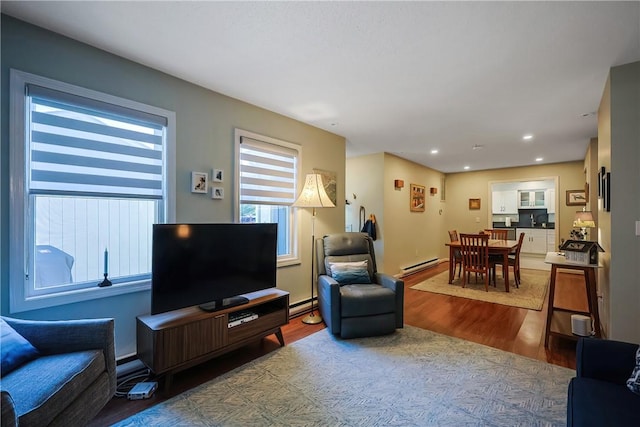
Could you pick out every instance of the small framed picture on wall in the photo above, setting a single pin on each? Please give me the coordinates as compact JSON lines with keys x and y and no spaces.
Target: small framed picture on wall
{"x":199,"y":182}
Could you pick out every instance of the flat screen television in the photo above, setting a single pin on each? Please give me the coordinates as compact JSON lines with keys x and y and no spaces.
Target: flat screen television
{"x":210,"y":265}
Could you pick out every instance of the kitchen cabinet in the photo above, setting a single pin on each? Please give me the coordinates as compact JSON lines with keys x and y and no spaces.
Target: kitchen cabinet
{"x":551,"y":241}
{"x":531,"y":199}
{"x":550,"y":199}
{"x":504,"y":202}
{"x":535,"y":240}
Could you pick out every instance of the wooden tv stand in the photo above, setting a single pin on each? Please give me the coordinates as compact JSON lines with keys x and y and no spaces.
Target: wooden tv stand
{"x":170,"y":342}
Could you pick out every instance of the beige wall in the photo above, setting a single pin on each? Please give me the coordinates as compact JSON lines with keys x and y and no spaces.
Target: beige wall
{"x":619,"y":153}
{"x":470,"y":185}
{"x":364,"y":190}
{"x":411,"y":237}
{"x":404,"y":237}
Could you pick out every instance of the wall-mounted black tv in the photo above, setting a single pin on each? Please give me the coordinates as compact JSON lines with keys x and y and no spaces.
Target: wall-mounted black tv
{"x":210,"y":265}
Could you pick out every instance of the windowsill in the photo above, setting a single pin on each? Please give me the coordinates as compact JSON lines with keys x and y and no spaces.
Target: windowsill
{"x":86,"y":294}
{"x":288,"y":262}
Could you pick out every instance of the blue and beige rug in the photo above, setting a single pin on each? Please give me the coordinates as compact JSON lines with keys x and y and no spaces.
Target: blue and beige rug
{"x":530,"y":294}
{"x":413,"y":377}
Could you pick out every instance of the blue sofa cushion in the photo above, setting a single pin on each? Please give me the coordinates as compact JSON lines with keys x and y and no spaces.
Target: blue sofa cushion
{"x":43,"y":388}
{"x":15,"y":348}
{"x":601,"y":403}
{"x":350,"y":272}
{"x":634,"y":381}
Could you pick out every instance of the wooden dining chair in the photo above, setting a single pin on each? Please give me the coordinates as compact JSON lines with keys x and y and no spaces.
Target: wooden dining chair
{"x":457,"y":255}
{"x":475,"y":257}
{"x":497,"y":233}
{"x":514,"y":261}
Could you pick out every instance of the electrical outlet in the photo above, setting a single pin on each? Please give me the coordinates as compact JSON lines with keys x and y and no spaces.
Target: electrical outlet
{"x":478,"y":219}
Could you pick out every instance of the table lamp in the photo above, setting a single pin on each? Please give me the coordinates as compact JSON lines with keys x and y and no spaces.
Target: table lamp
{"x":313,"y":195}
{"x":584,"y":220}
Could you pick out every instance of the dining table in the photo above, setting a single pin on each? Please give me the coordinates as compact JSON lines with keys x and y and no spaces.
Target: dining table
{"x":496,"y":247}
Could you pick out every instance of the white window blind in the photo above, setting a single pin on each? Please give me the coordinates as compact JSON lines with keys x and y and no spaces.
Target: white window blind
{"x":83,"y":146}
{"x":267,"y":173}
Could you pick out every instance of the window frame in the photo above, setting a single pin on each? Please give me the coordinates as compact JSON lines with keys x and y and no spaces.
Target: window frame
{"x":294,"y":224}
{"x":20,"y":230}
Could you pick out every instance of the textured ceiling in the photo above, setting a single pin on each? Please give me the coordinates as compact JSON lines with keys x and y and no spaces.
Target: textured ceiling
{"x":399,"y":77}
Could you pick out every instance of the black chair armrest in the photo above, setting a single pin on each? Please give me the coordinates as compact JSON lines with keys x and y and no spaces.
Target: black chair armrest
{"x":605,"y":360}
{"x":397,"y":286}
{"x":329,"y":302}
{"x":8,"y":417}
{"x":388,"y":281}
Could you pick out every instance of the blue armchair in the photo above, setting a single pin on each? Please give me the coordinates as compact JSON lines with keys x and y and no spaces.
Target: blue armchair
{"x":71,"y":379}
{"x":356,"y":300}
{"x":598,"y":395}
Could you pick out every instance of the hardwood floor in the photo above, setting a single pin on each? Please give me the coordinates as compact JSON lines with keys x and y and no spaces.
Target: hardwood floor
{"x":512,"y":329}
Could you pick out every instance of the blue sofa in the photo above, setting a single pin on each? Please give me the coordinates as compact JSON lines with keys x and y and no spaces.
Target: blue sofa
{"x":70,"y":380}
{"x":598,"y":395}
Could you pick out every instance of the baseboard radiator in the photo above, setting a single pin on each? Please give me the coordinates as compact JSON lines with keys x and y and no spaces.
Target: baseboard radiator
{"x":422,"y":265}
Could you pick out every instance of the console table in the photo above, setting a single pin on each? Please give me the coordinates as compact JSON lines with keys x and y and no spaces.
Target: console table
{"x":170,"y":342}
{"x":559,"y":319}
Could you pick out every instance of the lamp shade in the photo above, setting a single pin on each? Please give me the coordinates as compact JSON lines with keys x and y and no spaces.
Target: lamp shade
{"x":313,"y":195}
{"x":584,"y":219}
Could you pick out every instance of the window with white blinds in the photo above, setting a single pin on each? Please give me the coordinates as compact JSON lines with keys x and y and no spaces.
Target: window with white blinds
{"x":83,"y":146}
{"x":91,"y":173}
{"x":267,"y":173}
{"x":267,"y":179}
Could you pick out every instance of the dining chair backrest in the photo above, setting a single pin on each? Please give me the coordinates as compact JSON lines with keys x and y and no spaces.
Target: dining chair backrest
{"x":453,"y":235}
{"x":475,"y":252}
{"x":519,"y":247}
{"x":497,"y":233}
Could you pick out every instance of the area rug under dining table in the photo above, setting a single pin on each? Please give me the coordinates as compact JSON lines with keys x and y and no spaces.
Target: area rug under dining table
{"x":530,"y":294}
{"x":412,"y":377}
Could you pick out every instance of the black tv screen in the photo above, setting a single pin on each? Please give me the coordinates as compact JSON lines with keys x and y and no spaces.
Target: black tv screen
{"x":210,"y":265}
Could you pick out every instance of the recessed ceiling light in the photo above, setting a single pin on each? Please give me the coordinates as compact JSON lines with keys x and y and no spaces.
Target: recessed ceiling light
{"x":527,"y":137}
{"x":467,"y":167}
{"x":434,"y":151}
{"x":539,"y":159}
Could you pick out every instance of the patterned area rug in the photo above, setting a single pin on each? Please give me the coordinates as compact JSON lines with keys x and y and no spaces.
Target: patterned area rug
{"x":530,"y":295}
{"x":413,"y":377}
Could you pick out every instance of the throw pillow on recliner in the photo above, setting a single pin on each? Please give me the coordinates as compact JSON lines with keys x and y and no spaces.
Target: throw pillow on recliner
{"x":347,"y":273}
{"x":15,"y":349}
{"x":634,"y":381}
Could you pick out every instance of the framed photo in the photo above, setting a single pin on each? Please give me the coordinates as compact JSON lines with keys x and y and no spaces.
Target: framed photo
{"x":199,"y":182}
{"x":606,"y":192}
{"x":329,"y":180}
{"x":474,"y":204}
{"x":416,"y":202}
{"x":217,"y":193}
{"x":217,"y":175}
{"x":576,"y":198}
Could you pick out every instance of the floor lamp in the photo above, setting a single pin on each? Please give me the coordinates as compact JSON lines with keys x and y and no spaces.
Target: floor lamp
{"x":313,"y":196}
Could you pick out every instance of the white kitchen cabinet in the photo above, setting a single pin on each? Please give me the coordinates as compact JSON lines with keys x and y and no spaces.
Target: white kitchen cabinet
{"x":531,"y":199}
{"x":550,"y":199}
{"x":504,"y":202}
{"x":535,"y":240}
{"x":551,"y":241}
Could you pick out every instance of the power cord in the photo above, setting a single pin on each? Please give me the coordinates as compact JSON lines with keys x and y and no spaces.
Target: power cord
{"x":128,"y":382}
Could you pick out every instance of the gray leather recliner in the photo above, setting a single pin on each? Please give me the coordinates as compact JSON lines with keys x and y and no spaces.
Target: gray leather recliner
{"x":360,"y":309}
